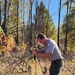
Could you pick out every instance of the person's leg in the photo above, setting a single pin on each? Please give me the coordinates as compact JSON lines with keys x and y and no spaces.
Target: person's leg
{"x":55,"y":67}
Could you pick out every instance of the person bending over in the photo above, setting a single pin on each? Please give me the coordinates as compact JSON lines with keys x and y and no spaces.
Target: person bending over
{"x":51,"y":51}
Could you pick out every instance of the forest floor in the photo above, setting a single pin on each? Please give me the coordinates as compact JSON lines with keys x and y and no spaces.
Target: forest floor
{"x":11,"y":65}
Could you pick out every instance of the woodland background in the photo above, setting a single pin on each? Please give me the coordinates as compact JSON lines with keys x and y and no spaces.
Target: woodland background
{"x":19,"y":28}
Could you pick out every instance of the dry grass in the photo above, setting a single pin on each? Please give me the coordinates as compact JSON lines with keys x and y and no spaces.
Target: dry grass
{"x":21,"y":63}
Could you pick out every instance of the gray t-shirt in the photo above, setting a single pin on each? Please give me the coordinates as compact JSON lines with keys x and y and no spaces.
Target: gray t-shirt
{"x":51,"y":47}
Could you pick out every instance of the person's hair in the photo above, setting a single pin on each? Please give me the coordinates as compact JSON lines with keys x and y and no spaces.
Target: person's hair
{"x":41,"y":36}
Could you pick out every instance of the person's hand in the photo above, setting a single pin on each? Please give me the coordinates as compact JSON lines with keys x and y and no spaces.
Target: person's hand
{"x":33,"y":49}
{"x":34,"y":52}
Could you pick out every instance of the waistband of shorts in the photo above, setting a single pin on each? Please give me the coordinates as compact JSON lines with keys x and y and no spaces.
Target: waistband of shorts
{"x":57,"y":60}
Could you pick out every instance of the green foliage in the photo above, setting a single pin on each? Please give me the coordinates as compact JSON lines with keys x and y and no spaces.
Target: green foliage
{"x":21,"y":46}
{"x":70,"y":28}
{"x":44,"y":22}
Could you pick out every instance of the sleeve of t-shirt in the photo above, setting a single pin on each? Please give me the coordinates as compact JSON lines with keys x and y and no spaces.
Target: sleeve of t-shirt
{"x":50,"y":48}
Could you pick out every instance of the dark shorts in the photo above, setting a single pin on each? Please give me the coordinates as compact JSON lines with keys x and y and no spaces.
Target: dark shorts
{"x":55,"y":67}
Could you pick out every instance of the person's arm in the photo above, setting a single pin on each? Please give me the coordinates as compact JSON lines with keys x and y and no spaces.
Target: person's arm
{"x":42,"y":55}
